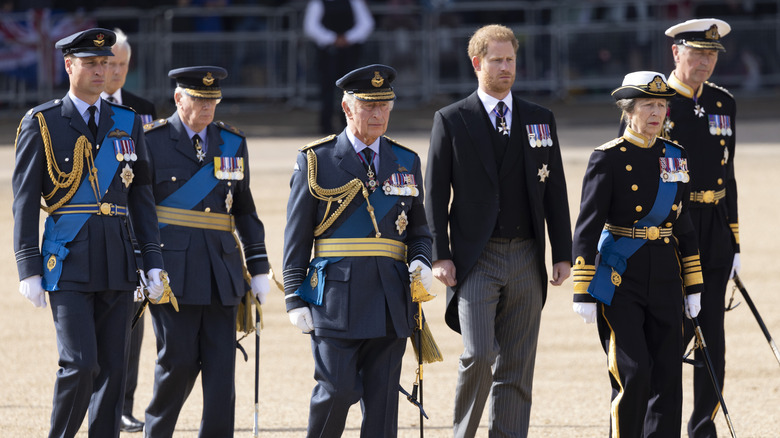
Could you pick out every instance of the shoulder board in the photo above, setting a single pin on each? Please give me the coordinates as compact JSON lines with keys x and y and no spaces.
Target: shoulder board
{"x":718,"y":87}
{"x":671,"y":143}
{"x":119,"y":105}
{"x":610,"y":144}
{"x":395,"y":142}
{"x":155,"y":124}
{"x":44,"y":106}
{"x":232,"y":129}
{"x":319,"y":142}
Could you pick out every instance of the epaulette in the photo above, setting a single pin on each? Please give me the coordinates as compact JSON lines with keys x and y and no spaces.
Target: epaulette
{"x":610,"y":144}
{"x":395,"y":142}
{"x":155,"y":124}
{"x":319,"y":142}
{"x":44,"y":106}
{"x":718,"y":87}
{"x":232,"y":129}
{"x":119,"y":105}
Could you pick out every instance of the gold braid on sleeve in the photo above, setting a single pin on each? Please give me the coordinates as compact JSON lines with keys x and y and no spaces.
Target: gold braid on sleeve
{"x":343,"y":195}
{"x":59,"y":178}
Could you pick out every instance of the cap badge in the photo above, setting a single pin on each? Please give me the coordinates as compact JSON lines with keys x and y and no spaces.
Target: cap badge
{"x":208,"y":79}
{"x":377,"y":80}
{"x":657,"y":85}
{"x":99,"y":40}
{"x":712,"y":33}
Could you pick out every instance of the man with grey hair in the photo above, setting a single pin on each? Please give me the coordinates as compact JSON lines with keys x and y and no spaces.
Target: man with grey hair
{"x":702,"y":117}
{"x":202,"y":191}
{"x":355,"y":302}
{"x":114,"y":91}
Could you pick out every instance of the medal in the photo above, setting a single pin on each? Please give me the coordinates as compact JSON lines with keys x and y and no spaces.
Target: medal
{"x":543,"y":173}
{"x":127,"y":175}
{"x":401,"y":222}
{"x":229,"y":201}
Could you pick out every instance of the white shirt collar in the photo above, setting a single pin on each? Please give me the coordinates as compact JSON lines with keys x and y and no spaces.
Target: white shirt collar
{"x":83,"y":107}
{"x":490,"y":102}
{"x":117,"y":96}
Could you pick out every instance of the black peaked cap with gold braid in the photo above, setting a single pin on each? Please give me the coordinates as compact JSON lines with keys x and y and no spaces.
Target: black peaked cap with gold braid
{"x":201,"y":81}
{"x":370,"y":83}
{"x":90,"y":42}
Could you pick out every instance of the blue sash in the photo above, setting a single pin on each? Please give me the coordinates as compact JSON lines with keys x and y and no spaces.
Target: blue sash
{"x":58,"y":234}
{"x":358,"y":224}
{"x":204,"y":181}
{"x":615,"y":253}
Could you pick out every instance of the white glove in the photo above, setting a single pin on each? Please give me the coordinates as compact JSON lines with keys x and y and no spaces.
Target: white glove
{"x":735,"y":266}
{"x":32,"y":289}
{"x":154,"y":284}
{"x":260,"y":287}
{"x":692,"y":305}
{"x":426,"y":275}
{"x":586,"y":310}
{"x":301,"y":318}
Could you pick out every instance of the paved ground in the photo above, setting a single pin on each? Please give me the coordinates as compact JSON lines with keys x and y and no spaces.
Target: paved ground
{"x":571,"y":393}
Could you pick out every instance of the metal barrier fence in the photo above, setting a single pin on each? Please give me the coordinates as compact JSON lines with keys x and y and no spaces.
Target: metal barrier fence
{"x":568,"y":48}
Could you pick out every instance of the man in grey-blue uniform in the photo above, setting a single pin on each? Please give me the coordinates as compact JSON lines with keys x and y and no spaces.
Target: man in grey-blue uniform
{"x":201,"y":187}
{"x":357,"y":198}
{"x":87,"y":158}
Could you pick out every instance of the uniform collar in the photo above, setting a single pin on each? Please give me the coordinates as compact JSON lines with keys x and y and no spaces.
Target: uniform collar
{"x":638,"y":139}
{"x":490,"y":102}
{"x":359,"y":145}
{"x":117,"y":96}
{"x":683,"y":89}
{"x":82,"y":106}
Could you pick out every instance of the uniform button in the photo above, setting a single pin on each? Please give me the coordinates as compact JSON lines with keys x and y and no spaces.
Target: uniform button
{"x":162,"y":245}
{"x":208,"y":209}
{"x":173,"y":178}
{"x":628,"y":167}
{"x":230,"y":183}
{"x":722,"y":142}
{"x":722,"y":162}
{"x":663,"y":151}
{"x":720,"y":181}
{"x":634,"y":187}
{"x":622,"y":148}
{"x":67,"y":159}
{"x":638,"y":208}
{"x":719,"y":104}
{"x":666,"y":240}
{"x":674,"y":207}
{"x":668,"y":224}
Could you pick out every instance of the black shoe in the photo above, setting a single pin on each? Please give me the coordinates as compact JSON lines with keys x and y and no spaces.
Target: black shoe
{"x":130,"y":424}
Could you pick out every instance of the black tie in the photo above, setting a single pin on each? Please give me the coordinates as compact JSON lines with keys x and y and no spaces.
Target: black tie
{"x":369,"y":157}
{"x":198,"y":149}
{"x":91,"y":123}
{"x":500,"y":112}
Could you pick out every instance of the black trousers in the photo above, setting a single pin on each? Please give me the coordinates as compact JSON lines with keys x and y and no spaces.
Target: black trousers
{"x":641,"y":332}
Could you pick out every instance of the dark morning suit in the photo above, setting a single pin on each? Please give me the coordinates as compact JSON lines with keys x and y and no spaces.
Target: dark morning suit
{"x":146,"y":110}
{"x":206,"y":272}
{"x":143,"y":107}
{"x":92,"y":307}
{"x":641,"y":328}
{"x":360,"y":329}
{"x":709,"y":141}
{"x":461,"y":158}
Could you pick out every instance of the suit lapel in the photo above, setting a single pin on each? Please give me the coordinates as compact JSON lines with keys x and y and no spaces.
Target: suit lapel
{"x":473,"y":115}
{"x":388,"y":162}
{"x":348,"y":159}
{"x":183,"y":142}
{"x":76,"y":121}
{"x":215,"y":143}
{"x":106,"y":121}
{"x":516,"y":146}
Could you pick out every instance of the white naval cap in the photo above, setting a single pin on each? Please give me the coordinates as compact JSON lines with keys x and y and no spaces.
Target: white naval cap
{"x":649,"y":84}
{"x":700,"y":33}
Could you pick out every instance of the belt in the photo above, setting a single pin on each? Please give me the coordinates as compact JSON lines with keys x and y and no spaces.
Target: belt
{"x":647,"y":233}
{"x":101,"y":209}
{"x":355,"y":247}
{"x":708,"y":196}
{"x":195,"y":219}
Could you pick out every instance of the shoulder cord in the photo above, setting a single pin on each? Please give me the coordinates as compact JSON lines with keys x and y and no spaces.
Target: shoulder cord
{"x":343,"y":195}
{"x":62,"y":180}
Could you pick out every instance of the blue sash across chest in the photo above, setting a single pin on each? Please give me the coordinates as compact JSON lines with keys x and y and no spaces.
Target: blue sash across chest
{"x":58,"y":234}
{"x":204,"y":181}
{"x":357,"y":225}
{"x":615,"y":253}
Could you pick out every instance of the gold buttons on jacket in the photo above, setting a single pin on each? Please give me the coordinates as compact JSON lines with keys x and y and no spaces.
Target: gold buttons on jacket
{"x":722,"y":142}
{"x":634,"y":187}
{"x":173,"y":178}
{"x":622,"y":149}
{"x":628,"y":167}
{"x":207,"y":210}
{"x":719,"y":104}
{"x":720,"y":181}
{"x":674,"y":207}
{"x":638,"y":208}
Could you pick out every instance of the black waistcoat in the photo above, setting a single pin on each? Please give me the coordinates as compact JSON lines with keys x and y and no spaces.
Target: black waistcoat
{"x":338,"y":16}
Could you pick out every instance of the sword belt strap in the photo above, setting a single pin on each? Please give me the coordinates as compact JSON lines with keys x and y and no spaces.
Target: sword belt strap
{"x":100,"y":209}
{"x":646,"y":233}
{"x":708,"y":196}
{"x":355,"y":247}
{"x":195,"y":219}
